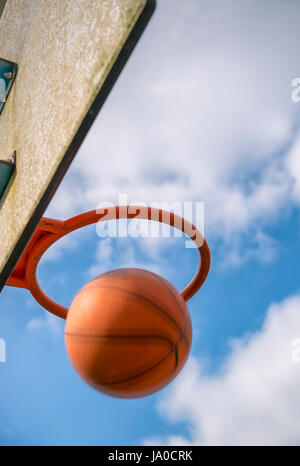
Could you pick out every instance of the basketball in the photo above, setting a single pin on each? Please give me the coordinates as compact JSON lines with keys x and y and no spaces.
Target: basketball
{"x":128,"y":333}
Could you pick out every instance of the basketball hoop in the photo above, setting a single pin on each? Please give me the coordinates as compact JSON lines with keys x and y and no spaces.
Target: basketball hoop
{"x":50,"y":231}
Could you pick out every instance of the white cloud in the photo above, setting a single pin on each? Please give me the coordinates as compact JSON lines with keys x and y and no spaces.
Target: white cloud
{"x":50,"y":323}
{"x":109,"y":255}
{"x":260,"y":247}
{"x":293,"y":165}
{"x":103,"y":259}
{"x":57,"y":250}
{"x":202,"y":112}
{"x":35,"y":324}
{"x":254,"y":399}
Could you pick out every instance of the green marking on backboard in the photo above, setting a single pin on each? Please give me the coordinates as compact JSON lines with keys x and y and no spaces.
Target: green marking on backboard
{"x":8,"y":73}
{"x":2,"y":5}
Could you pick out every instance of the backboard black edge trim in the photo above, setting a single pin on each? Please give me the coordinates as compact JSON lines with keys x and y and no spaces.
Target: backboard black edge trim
{"x":84,"y":128}
{"x":8,"y":61}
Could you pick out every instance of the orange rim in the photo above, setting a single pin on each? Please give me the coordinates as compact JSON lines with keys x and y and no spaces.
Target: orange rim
{"x":50,"y":231}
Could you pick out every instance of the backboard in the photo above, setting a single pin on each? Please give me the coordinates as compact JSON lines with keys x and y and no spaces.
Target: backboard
{"x":58,"y":62}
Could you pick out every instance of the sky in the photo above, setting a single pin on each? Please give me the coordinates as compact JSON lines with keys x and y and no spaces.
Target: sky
{"x":203,"y":112}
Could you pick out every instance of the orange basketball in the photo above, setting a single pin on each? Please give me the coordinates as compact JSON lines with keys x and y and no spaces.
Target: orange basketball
{"x":128,"y":333}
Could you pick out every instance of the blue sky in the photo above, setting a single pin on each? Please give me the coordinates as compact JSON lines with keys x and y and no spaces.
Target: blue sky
{"x":202,"y":112}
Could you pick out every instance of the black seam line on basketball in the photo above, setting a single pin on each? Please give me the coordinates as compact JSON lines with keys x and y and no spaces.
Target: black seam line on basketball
{"x":112,"y":273}
{"x":166,"y":283}
{"x":128,"y":337}
{"x":136,"y":376}
{"x":138,"y":296}
{"x":186,"y":316}
{"x":124,"y":337}
{"x":176,"y":356}
{"x":149,"y":369}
